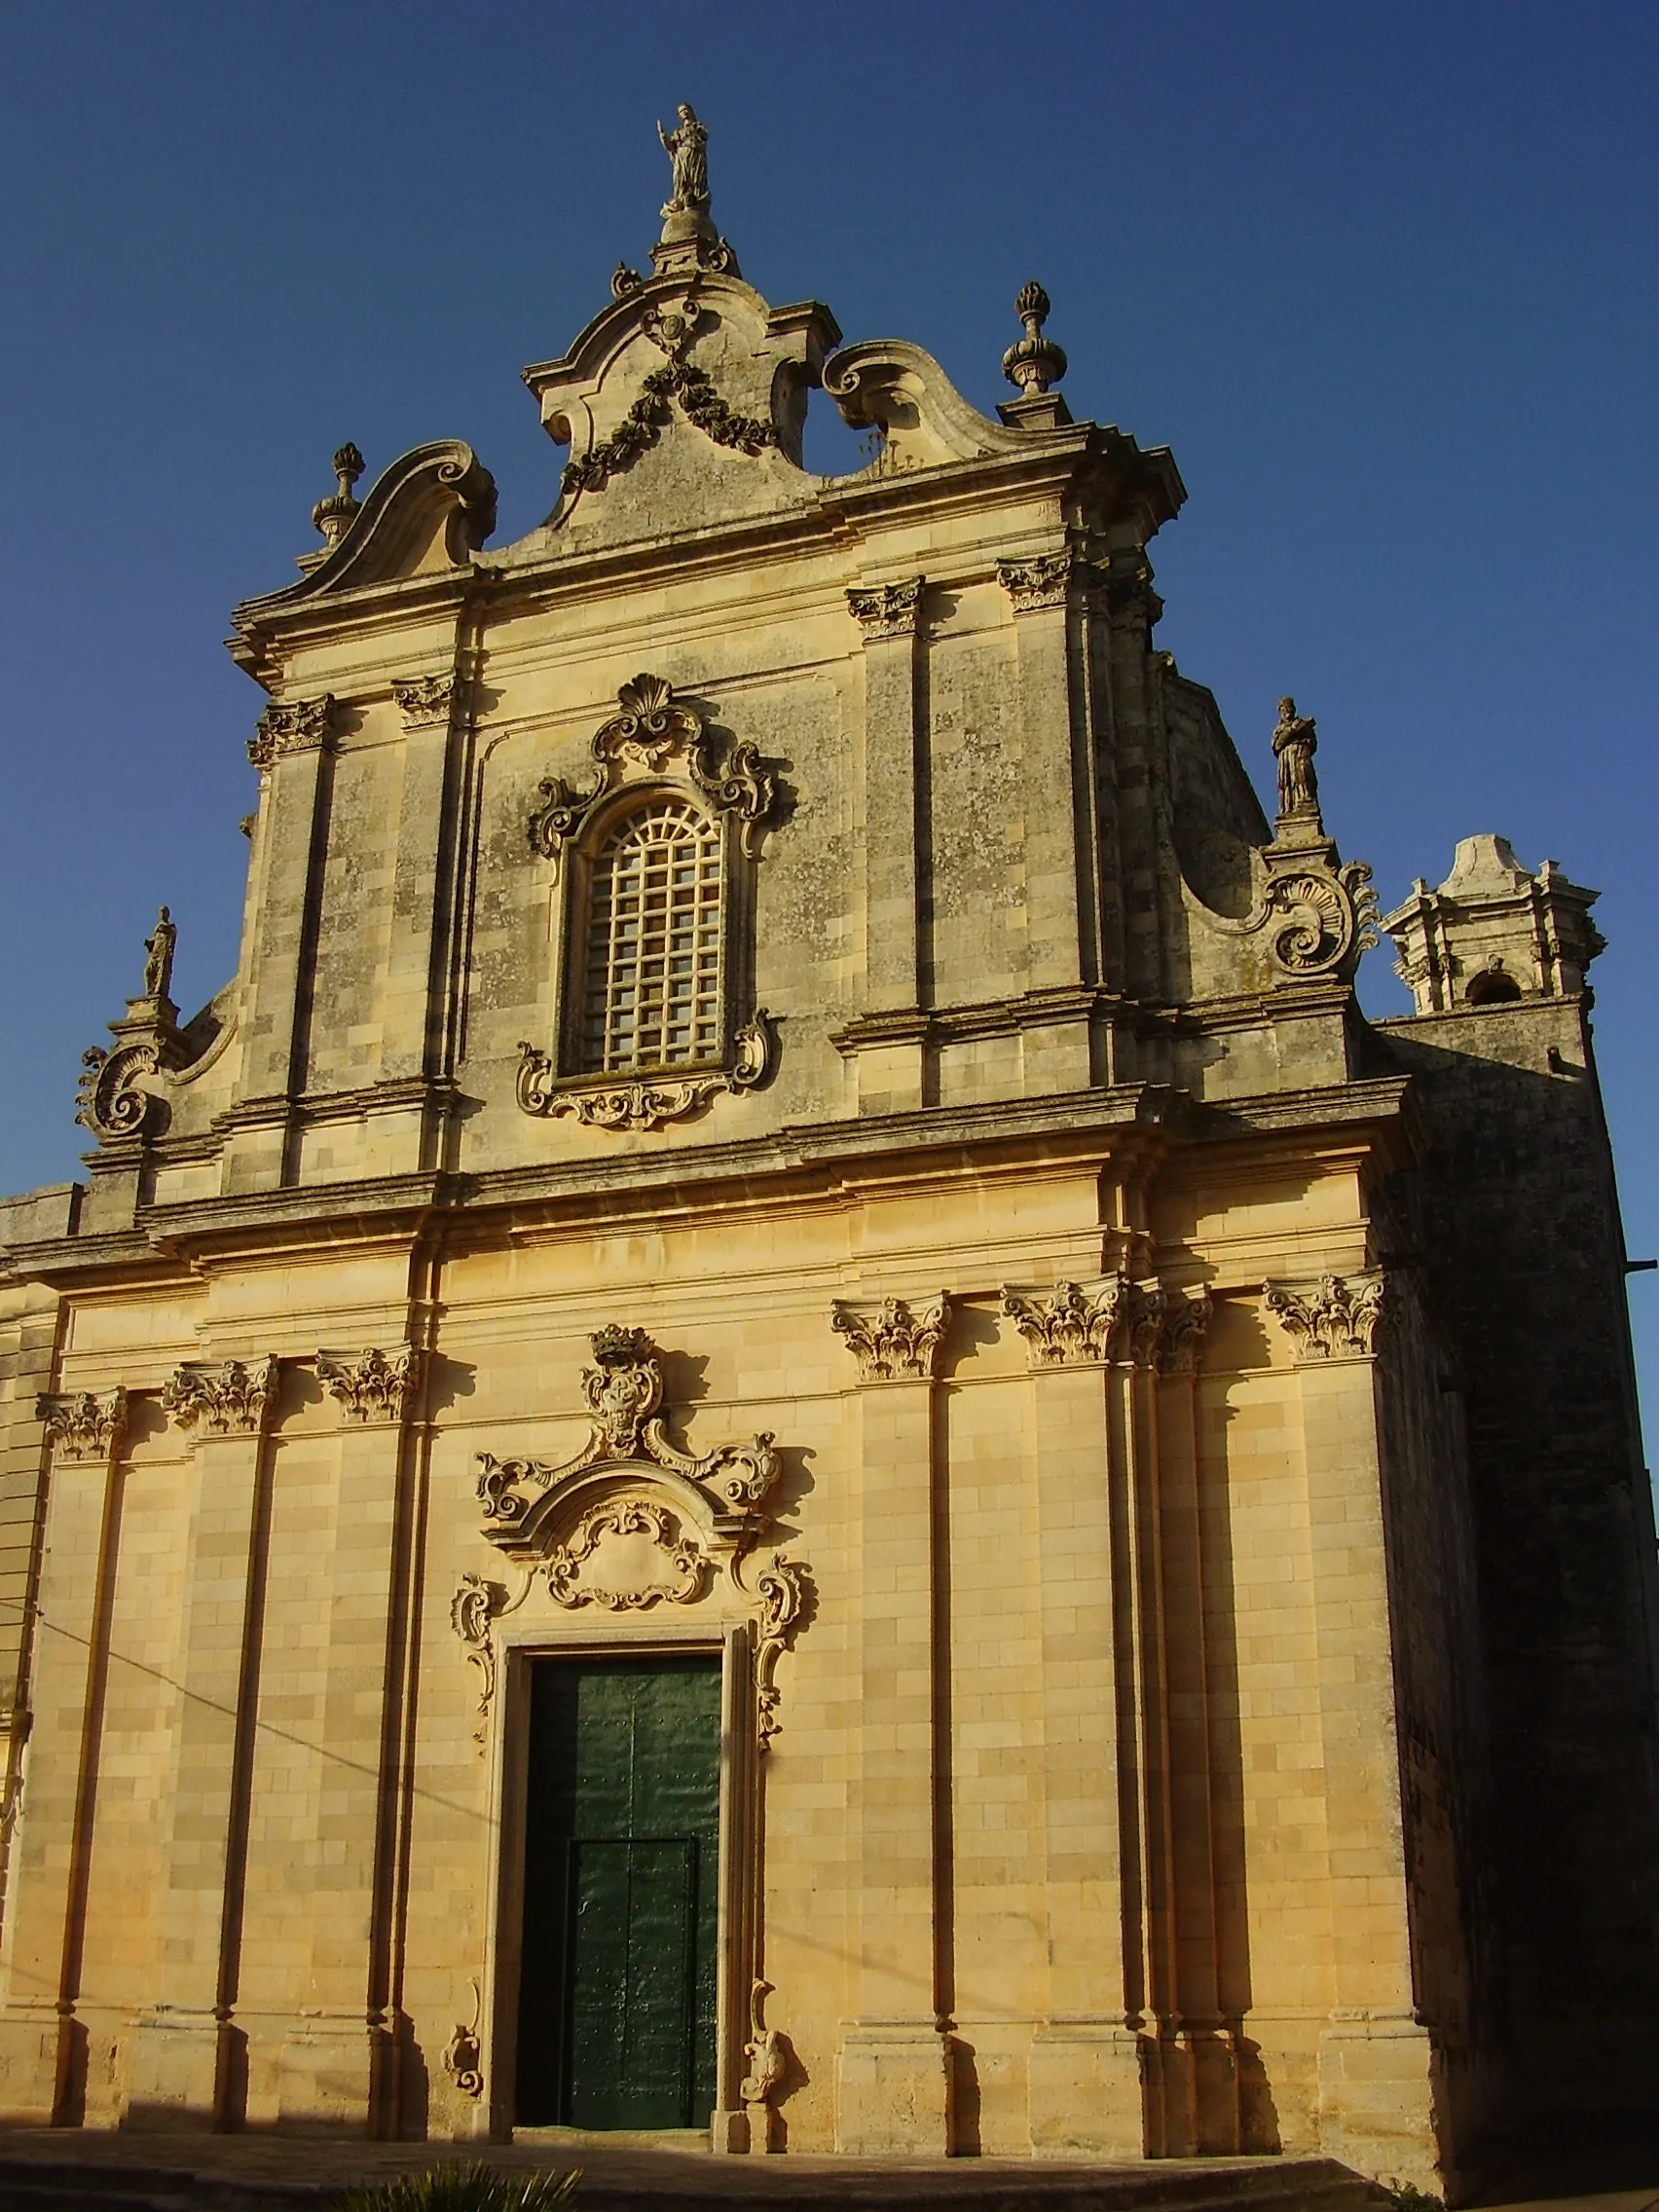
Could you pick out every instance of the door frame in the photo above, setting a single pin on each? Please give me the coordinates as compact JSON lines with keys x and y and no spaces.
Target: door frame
{"x":738,"y":1875}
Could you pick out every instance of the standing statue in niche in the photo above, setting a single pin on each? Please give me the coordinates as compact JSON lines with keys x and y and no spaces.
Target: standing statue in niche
{"x":1293,"y":744}
{"x":158,"y":966}
{"x":687,"y":147}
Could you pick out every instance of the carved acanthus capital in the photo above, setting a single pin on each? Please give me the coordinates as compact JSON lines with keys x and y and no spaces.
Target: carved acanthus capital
{"x":887,"y":610}
{"x":1069,"y":1326}
{"x":1335,"y":1319}
{"x":234,"y":1398}
{"x":425,"y":700}
{"x":891,"y":1341}
{"x":1044,"y":580}
{"x":1146,"y":1307}
{"x":84,"y":1424}
{"x":372,"y":1387}
{"x":1182,"y":1343}
{"x":295,"y":726}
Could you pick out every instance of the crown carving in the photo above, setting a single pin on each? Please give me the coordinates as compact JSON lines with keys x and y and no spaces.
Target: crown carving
{"x":892,"y":1342}
{"x":372,"y":1387}
{"x":232,"y":1399}
{"x":886,"y":610}
{"x":623,"y":1392}
{"x":1337,"y":1319}
{"x":651,"y":730}
{"x":84,"y":1424}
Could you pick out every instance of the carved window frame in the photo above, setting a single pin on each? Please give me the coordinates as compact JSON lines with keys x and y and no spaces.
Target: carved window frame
{"x":633,"y":804}
{"x":653,"y":752}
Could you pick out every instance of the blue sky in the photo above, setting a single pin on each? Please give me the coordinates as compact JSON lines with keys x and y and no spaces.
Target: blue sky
{"x":1383,"y":277}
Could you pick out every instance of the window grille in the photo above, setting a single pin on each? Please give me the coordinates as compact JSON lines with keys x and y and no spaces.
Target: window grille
{"x":651,"y":979}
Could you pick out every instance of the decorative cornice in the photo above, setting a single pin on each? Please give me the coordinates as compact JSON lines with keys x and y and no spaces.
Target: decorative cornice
{"x":1337,"y":1319}
{"x":292,"y":727}
{"x":1044,"y":580}
{"x":887,"y":610}
{"x":425,"y":700}
{"x":889,"y":1341}
{"x":84,"y":1424}
{"x":641,"y":1102}
{"x":232,"y":1399}
{"x":372,"y":1386}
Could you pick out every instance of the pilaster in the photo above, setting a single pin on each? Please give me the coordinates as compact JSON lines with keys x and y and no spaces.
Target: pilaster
{"x":892,"y":1068}
{"x":1057,"y":780}
{"x":332,"y":2055}
{"x":894,"y":2067}
{"x":290,"y":752}
{"x":1085,"y":2068}
{"x":189,"y":2057}
{"x":42,"y":2041}
{"x":1377,"y":2063}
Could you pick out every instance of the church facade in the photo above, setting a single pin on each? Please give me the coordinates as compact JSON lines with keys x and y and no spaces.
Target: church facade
{"x":784,"y":1425}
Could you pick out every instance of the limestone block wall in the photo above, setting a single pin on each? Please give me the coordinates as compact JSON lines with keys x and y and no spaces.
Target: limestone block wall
{"x":1514,"y":1218}
{"x":1080,"y":1824}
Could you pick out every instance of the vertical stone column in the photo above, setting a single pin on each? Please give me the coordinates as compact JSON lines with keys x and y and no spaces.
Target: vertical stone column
{"x":1377,"y":2064}
{"x":41,"y":2041}
{"x":894,"y":2069}
{"x":1084,"y":2074}
{"x":890,"y":1066}
{"x":187,"y":2057}
{"x":329,"y":2071}
{"x":1059,"y":815}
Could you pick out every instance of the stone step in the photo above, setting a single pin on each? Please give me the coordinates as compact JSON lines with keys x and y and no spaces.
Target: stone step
{"x":679,"y":2184}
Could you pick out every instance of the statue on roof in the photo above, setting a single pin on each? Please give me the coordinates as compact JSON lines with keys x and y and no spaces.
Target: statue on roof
{"x":158,"y":968}
{"x":687,"y":147}
{"x":1294,"y":741}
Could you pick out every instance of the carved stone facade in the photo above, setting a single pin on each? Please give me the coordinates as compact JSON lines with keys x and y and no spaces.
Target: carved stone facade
{"x":847,"y":1167}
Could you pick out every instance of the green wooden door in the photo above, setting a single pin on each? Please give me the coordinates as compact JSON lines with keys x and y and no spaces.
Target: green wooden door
{"x":616,"y":1996}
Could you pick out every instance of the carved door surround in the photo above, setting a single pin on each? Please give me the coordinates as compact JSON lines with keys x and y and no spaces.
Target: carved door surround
{"x":655,"y":745}
{"x":633,"y":1546}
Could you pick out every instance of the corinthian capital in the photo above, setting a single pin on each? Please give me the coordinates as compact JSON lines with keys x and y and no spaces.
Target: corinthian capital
{"x":1337,"y":1319}
{"x":886,"y":610}
{"x":891,"y":1343}
{"x":231,"y":1399}
{"x":1069,"y":1326}
{"x":372,"y":1387}
{"x":84,"y":1424}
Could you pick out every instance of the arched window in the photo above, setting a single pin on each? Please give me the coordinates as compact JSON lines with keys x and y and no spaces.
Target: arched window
{"x":651,"y":968}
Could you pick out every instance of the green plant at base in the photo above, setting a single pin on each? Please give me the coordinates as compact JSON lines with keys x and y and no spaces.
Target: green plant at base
{"x":464,"y":2188}
{"x":1410,"y":2198}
